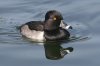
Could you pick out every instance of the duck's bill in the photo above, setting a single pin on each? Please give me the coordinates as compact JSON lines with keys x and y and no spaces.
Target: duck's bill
{"x":64,"y":25}
{"x":68,"y":27}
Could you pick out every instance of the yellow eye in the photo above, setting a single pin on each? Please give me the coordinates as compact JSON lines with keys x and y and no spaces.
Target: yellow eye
{"x":54,"y":18}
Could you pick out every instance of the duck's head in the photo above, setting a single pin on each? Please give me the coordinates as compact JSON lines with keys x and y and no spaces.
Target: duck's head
{"x":53,"y":19}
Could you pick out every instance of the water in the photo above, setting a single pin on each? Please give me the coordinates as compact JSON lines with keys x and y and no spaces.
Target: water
{"x":83,"y":15}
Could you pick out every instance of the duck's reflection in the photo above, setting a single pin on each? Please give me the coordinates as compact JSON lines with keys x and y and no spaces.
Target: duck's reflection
{"x":55,"y":51}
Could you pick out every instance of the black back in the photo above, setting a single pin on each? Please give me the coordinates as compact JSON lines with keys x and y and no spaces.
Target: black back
{"x":35,"y":25}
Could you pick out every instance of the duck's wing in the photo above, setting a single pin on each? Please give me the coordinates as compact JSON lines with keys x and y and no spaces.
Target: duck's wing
{"x":35,"y":25}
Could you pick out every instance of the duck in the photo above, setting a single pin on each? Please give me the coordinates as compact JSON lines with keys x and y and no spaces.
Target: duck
{"x":53,"y":28}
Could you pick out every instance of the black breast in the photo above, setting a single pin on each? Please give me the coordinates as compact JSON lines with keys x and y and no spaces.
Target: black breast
{"x":53,"y":35}
{"x":35,"y":25}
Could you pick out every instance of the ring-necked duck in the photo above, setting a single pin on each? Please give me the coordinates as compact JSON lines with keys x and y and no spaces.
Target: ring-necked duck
{"x":51,"y":29}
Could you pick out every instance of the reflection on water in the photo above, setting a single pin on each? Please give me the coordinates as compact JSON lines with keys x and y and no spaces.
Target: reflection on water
{"x":82,"y":15}
{"x":55,"y":51}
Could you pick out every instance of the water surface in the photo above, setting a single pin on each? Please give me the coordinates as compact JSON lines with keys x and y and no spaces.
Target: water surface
{"x":83,"y":15}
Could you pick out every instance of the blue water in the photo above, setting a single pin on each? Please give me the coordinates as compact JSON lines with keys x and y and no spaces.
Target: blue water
{"x":83,"y":15}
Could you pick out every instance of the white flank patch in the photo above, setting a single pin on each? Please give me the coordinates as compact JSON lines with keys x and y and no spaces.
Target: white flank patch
{"x":32,"y":34}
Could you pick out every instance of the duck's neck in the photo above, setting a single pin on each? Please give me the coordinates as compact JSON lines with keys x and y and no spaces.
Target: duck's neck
{"x":51,"y":35}
{"x":52,"y":32}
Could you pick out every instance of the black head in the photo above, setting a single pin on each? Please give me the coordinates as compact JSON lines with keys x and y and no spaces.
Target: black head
{"x":52,"y":20}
